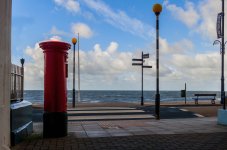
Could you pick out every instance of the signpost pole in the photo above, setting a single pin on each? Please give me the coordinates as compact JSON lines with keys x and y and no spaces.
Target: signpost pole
{"x":185,"y":92}
{"x":141,"y":61}
{"x":142,"y":81}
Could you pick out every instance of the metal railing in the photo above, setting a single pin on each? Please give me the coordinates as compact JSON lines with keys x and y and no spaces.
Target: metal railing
{"x":17,"y":82}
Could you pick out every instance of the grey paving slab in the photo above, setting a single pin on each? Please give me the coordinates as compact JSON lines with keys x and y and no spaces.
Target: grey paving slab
{"x":116,"y":130}
{"x":92,"y":134}
{"x":74,"y":128}
{"x":113,"y":134}
{"x":170,"y":126}
{"x":190,"y":133}
{"x":79,"y":134}
{"x":141,"y":132}
{"x":96,"y":132}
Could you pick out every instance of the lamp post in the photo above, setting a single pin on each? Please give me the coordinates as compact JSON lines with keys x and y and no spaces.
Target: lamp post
{"x":74,"y":40}
{"x":222,"y":56}
{"x":78,"y":67}
{"x":221,"y":34}
{"x":22,"y":60}
{"x":157,"y":8}
{"x":142,"y":100}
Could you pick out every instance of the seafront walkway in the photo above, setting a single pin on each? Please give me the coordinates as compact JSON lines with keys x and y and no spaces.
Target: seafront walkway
{"x":130,"y":128}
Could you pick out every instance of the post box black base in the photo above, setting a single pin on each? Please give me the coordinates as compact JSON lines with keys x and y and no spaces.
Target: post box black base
{"x":54,"y":124}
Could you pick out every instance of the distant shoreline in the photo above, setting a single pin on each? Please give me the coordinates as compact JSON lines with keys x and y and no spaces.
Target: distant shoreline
{"x":94,"y":97}
{"x":138,"y":90}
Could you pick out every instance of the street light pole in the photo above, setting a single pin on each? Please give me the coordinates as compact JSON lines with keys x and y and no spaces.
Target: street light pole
{"x":222,"y":56}
{"x":221,"y":34}
{"x":142,"y":82}
{"x":157,"y":8}
{"x":74,"y":40}
{"x":78,"y":67}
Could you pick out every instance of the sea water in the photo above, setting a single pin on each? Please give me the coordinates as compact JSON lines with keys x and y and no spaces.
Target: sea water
{"x":37,"y":96}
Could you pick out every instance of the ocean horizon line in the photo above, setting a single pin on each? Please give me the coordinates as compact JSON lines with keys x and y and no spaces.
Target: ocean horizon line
{"x":143,"y":90}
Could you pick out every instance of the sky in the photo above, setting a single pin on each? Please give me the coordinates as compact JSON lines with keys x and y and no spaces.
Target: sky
{"x":112,"y":32}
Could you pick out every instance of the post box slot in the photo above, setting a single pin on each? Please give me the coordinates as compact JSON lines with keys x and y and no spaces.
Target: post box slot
{"x":66,"y":70}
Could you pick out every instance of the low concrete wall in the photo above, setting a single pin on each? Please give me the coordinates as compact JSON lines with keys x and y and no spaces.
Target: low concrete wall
{"x":21,"y":121}
{"x":222,"y":117}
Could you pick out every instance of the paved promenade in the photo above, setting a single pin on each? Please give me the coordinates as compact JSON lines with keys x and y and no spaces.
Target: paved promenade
{"x":92,"y":129}
{"x":200,"y":133}
{"x":204,"y":141}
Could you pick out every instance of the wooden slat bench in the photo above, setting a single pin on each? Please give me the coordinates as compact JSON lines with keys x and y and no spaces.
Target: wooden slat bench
{"x":210,"y":95}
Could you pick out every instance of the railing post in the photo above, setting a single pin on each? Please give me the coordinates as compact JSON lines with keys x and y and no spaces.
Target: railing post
{"x":15,"y":82}
{"x":22,"y":60}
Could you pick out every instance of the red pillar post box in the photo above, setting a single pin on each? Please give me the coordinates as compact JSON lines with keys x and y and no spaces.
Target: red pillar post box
{"x":55,"y":93}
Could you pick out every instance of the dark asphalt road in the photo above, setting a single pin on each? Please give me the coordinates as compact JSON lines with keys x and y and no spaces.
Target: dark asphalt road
{"x":169,"y":112}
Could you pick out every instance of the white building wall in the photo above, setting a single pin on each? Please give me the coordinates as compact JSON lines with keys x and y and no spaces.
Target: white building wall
{"x":5,"y":64}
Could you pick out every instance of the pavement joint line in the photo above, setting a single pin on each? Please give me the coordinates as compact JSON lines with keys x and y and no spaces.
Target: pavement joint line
{"x":84,"y":129}
{"x":172,"y":107}
{"x":183,"y":109}
{"x":198,"y":115}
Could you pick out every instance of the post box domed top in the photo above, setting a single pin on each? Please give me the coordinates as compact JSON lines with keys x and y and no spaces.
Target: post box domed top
{"x":54,"y":45}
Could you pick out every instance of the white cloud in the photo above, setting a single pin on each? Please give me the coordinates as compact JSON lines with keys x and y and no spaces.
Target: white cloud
{"x":130,"y":78}
{"x":70,"y":5}
{"x":112,"y":47}
{"x":56,"y":38}
{"x":59,"y":2}
{"x":84,"y":30}
{"x":206,"y":60}
{"x":208,"y":11}
{"x":34,"y":68}
{"x":200,"y":17}
{"x":179,"y":63}
{"x":104,"y":62}
{"x":55,"y":31}
{"x":200,"y":70}
{"x":110,"y":68}
{"x":98,"y":67}
{"x":179,"y":47}
{"x":188,"y":16}
{"x":120,"y":19}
